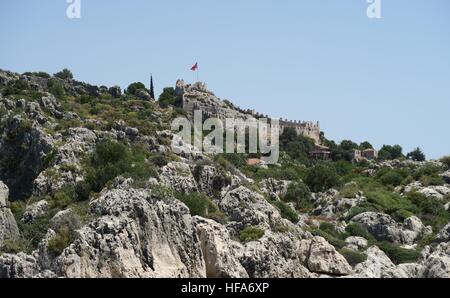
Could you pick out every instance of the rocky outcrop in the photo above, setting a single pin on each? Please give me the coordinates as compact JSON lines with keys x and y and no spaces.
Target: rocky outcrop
{"x":323,"y":258}
{"x":135,"y":236}
{"x":436,"y":261}
{"x":274,"y":187}
{"x":219,"y":251}
{"x":247,"y":208}
{"x":35,"y":210}
{"x":276,"y":256}
{"x":377,"y":262}
{"x":356,"y":243}
{"x":178,"y":176}
{"x":8,"y":225}
{"x":331,"y":202}
{"x":444,"y":234}
{"x":66,"y":168}
{"x":383,"y":227}
{"x":24,"y":149}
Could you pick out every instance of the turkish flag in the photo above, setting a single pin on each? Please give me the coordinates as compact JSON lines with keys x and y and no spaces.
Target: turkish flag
{"x":195,"y":67}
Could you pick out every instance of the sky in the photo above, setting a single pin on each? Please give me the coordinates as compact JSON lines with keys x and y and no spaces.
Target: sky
{"x":384,"y":80}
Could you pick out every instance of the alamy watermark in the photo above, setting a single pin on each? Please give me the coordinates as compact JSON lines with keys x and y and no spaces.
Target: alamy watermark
{"x":73,"y":10}
{"x":374,"y":9}
{"x":241,"y":136}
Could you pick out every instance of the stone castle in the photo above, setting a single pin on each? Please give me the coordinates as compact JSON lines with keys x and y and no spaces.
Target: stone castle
{"x":198,"y":97}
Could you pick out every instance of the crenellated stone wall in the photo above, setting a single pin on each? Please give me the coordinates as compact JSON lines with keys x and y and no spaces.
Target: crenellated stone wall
{"x":198,"y":97}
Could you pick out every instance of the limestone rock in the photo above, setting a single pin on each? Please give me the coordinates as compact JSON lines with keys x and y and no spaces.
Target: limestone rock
{"x":383,"y":227}
{"x":4,"y":195}
{"x":446,"y":176}
{"x":35,"y":210}
{"x":135,"y":236}
{"x":356,"y":243}
{"x":219,"y":251}
{"x":411,"y":270}
{"x":178,"y":176}
{"x":115,"y":91}
{"x":436,"y":261}
{"x":323,"y":258}
{"x":377,"y":262}
{"x":247,"y":208}
{"x":275,"y":256}
{"x":21,"y":266}
{"x":8,"y":225}
{"x":444,"y":234}
{"x":143,"y":94}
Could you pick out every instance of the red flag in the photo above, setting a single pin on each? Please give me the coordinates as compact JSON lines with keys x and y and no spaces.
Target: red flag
{"x":195,"y":67}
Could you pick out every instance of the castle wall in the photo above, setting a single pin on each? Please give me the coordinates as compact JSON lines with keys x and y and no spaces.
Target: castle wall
{"x":195,"y":99}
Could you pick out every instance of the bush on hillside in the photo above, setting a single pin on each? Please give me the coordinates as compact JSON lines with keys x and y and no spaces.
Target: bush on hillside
{"x":64,"y":74}
{"x":286,"y":211}
{"x":134,"y":87}
{"x":299,"y":193}
{"x":251,"y":234}
{"x":321,"y":177}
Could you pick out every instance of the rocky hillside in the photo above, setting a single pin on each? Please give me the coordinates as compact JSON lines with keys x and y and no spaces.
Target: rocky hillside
{"x":91,"y":188}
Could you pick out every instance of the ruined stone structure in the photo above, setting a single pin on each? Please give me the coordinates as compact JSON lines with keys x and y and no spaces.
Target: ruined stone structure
{"x":198,"y":97}
{"x":368,"y":154}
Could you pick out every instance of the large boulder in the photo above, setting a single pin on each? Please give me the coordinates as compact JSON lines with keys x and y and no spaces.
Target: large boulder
{"x":385,"y":228}
{"x":276,"y":256}
{"x":8,"y":225}
{"x":136,"y":235}
{"x":324,"y":259}
{"x":219,"y":251}
{"x":21,"y":266}
{"x":178,"y":176}
{"x":35,"y":210}
{"x":4,"y":195}
{"x":436,"y":261}
{"x":444,"y":234}
{"x":248,"y":208}
{"x":377,"y":262}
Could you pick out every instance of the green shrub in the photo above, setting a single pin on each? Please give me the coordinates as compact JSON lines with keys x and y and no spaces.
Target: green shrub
{"x":251,"y":234}
{"x":64,"y":74}
{"x":391,"y":177}
{"x":321,"y":178}
{"x":296,"y":146}
{"x":428,"y":169}
{"x":12,"y":246}
{"x":110,"y":160}
{"x":390,"y":202}
{"x":399,"y":255}
{"x":327,"y":227}
{"x":60,"y":241}
{"x":431,"y":212}
{"x":446,"y":161}
{"x":353,"y":257}
{"x":201,"y":205}
{"x":286,"y":211}
{"x":168,"y":97}
{"x":134,"y":87}
{"x":432,"y":180}
{"x":299,"y":193}
{"x":401,"y":215}
{"x":333,"y":240}
{"x":416,"y":155}
{"x":33,"y":232}
{"x":55,"y":88}
{"x":354,"y":229}
{"x":349,"y":190}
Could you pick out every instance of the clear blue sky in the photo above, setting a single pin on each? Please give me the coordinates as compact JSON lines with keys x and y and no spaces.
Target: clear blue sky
{"x":386,"y":81}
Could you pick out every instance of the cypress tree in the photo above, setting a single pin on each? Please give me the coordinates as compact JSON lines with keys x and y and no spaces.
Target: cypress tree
{"x":152,"y":89}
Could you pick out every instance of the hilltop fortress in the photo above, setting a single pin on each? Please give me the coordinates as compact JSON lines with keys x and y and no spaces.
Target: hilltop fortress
{"x":198,"y":97}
